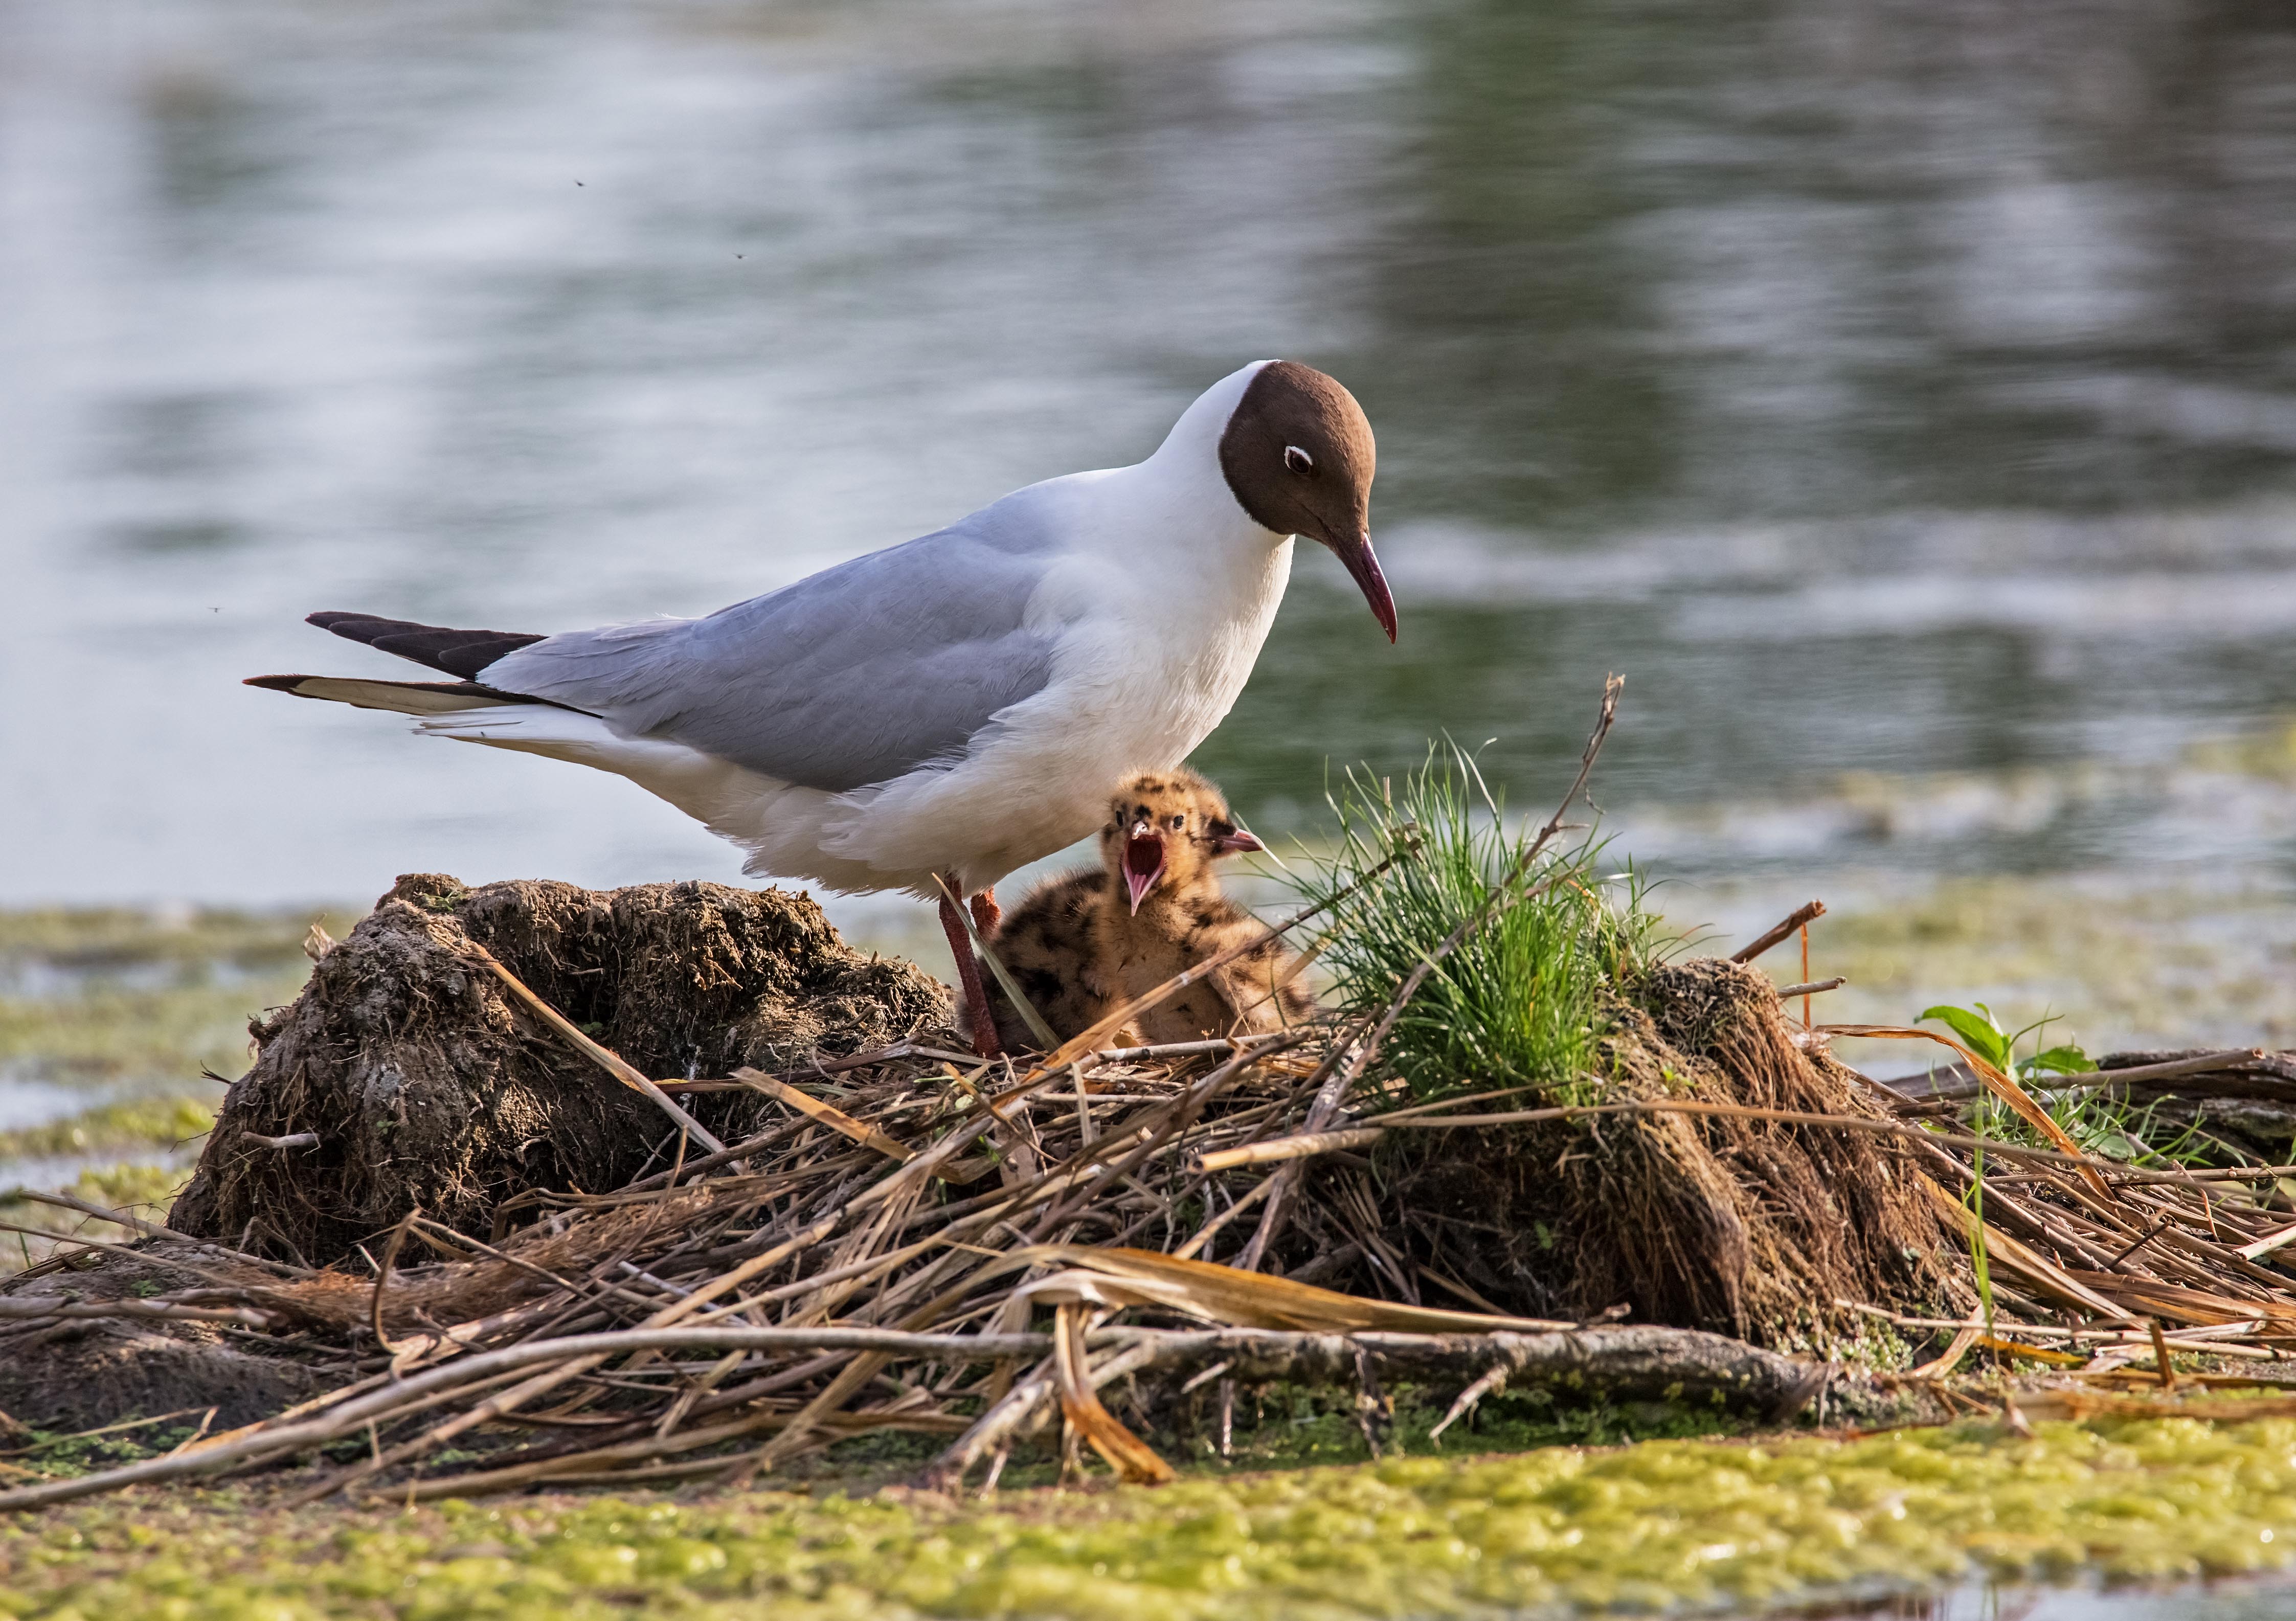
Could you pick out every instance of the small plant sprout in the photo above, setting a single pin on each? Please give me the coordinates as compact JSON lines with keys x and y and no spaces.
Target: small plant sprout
{"x":2102,"y":1124}
{"x":1982,"y":1033}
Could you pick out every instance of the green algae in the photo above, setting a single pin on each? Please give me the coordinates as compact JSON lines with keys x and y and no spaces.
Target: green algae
{"x":1661,"y":1525}
{"x":166,"y":1122}
{"x":109,"y":994}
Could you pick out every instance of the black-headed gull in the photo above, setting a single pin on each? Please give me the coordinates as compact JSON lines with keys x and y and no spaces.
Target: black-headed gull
{"x":945,"y":711}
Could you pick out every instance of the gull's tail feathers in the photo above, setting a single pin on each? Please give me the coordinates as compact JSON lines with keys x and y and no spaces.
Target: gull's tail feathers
{"x":450,"y":652}
{"x":399,"y":697}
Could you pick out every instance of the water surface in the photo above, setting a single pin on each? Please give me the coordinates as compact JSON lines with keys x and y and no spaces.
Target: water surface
{"x":1888,"y":388}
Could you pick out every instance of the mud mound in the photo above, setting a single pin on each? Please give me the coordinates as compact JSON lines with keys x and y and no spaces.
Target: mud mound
{"x":79,"y":1375}
{"x":427,"y":1087}
{"x":1742,"y":1226}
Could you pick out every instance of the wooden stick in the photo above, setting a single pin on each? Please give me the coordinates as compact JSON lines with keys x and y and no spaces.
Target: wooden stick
{"x":2204,"y":1063}
{"x":1808,"y":913}
{"x":40,"y":1308}
{"x":1276,"y":1151}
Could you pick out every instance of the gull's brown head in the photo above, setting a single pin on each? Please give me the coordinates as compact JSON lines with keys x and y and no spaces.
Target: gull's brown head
{"x":1299,"y":455}
{"x":1165,"y":829}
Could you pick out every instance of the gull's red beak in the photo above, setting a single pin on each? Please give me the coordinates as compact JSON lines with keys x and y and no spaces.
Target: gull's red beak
{"x":1236,"y":843}
{"x":1143,"y":863}
{"x":1356,"y":555}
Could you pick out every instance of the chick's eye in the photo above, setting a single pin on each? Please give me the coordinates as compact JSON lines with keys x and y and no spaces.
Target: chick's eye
{"x":1179,"y":821}
{"x":1298,"y":460}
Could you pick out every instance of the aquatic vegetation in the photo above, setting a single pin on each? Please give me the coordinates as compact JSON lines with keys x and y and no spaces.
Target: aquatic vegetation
{"x":1666,"y":1525}
{"x":114,"y":939}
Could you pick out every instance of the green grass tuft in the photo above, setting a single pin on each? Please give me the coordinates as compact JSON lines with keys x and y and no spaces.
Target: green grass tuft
{"x":1520,"y":1002}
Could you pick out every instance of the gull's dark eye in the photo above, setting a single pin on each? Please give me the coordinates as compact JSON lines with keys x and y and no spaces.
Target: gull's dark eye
{"x":1178,"y":822}
{"x":1298,"y":460}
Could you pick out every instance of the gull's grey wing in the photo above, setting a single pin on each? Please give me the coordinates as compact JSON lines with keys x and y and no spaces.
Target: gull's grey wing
{"x":848,"y":677}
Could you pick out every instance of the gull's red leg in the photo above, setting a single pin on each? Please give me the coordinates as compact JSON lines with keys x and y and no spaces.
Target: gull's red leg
{"x":968,"y":975}
{"x":986,"y":913}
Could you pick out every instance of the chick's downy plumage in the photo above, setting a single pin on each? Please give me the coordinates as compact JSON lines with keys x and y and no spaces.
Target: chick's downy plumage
{"x":1081,"y":945}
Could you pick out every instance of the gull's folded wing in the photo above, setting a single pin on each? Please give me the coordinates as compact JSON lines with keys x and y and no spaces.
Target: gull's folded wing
{"x":848,"y":677}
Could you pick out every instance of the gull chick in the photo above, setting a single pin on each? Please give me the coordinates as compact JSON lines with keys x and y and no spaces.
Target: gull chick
{"x":1082,"y":945}
{"x":933,"y":716}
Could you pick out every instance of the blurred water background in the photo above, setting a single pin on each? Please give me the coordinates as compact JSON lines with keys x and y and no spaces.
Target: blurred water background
{"x":1902,"y":395}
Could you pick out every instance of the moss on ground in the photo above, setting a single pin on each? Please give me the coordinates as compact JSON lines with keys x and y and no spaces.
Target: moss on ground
{"x":1665,"y":1525}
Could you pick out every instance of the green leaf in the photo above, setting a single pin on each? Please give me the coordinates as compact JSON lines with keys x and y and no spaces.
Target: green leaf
{"x":2067,"y":1059}
{"x":1979,"y":1034}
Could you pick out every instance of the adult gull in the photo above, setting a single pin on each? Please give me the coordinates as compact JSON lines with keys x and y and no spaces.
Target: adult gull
{"x":934,"y":715}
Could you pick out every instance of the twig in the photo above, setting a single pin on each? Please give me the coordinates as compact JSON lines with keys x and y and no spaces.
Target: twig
{"x":65,"y":1202}
{"x":835,"y":1119}
{"x":1376,"y":1125}
{"x":2205,"y":1063}
{"x":1808,"y":913}
{"x":1211,"y":1229}
{"x":1491,"y":1381}
{"x":586,"y":1350}
{"x":44,"y":1307}
{"x":1277,"y":1150}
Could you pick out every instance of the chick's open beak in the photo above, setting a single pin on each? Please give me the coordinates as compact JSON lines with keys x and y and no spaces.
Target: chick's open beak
{"x":1143,"y":863}
{"x":1361,"y":564}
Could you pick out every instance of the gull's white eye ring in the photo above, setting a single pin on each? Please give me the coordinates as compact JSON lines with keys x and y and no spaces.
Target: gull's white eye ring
{"x":1298,"y":460}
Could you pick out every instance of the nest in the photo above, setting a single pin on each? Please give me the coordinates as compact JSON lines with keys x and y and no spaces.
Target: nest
{"x":882,"y":1250}
{"x":887,"y":1207}
{"x":1723,"y":1221}
{"x":405,"y":1076}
